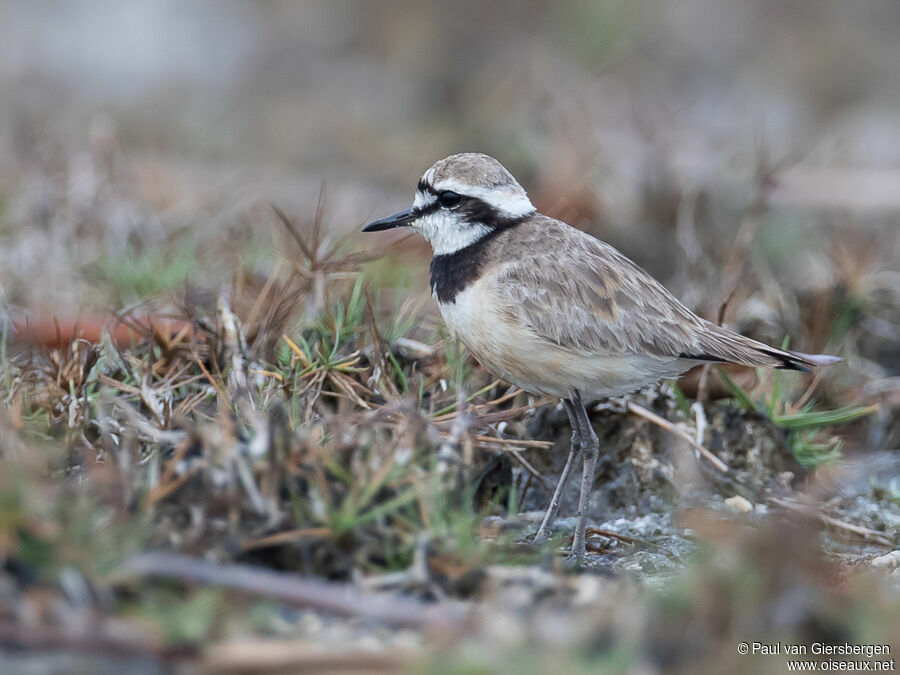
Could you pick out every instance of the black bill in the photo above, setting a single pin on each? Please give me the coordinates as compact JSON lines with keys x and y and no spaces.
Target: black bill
{"x":396,"y":220}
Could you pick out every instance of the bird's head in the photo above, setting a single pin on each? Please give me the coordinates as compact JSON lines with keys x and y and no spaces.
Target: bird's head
{"x":459,"y":200}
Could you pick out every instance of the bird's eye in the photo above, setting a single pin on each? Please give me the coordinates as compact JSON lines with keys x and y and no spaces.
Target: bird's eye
{"x":449,"y":199}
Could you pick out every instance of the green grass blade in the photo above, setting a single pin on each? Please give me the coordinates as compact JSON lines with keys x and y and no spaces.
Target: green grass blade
{"x":681,"y":400}
{"x":404,"y":383}
{"x":452,"y":406}
{"x":824,"y":418}
{"x":737,"y":391}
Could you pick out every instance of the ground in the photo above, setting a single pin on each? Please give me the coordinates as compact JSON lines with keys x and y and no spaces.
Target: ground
{"x":236,"y":437}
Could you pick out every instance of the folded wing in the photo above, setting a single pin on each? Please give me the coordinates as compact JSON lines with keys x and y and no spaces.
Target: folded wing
{"x":585,"y":296}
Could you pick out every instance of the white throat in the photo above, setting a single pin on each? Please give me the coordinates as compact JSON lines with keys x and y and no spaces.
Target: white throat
{"x":447,"y":235}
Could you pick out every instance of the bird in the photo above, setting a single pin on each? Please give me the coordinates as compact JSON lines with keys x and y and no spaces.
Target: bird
{"x":556,"y":311}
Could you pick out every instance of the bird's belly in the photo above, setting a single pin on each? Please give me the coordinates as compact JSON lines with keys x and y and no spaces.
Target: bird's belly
{"x":515,"y":353}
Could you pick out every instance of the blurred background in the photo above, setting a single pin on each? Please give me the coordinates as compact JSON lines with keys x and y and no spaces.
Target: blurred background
{"x":127,"y":127}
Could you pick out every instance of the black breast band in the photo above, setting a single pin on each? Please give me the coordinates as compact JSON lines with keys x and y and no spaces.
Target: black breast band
{"x":452,"y":273}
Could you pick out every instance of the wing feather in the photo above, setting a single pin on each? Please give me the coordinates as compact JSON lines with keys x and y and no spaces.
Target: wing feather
{"x":585,"y":296}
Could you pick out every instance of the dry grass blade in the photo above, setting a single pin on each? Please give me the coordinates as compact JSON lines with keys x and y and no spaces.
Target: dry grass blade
{"x":298,"y":353}
{"x":220,"y":391}
{"x":383,"y":381}
{"x":521,"y":442}
{"x":291,"y":536}
{"x":663,"y":423}
{"x":164,"y":490}
{"x":492,"y":418}
{"x":546,"y":484}
{"x":293,"y":231}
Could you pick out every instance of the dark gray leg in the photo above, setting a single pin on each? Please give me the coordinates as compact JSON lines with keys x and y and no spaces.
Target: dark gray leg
{"x":590,"y":450}
{"x":543,"y":532}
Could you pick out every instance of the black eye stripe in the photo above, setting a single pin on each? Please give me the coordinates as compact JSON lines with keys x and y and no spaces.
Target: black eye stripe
{"x":478,"y":211}
{"x":474,"y":211}
{"x":471,"y":210}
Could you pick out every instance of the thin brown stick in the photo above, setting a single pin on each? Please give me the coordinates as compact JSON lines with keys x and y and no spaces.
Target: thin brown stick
{"x":167,"y":486}
{"x":612,"y":534}
{"x":546,"y":484}
{"x":210,"y":378}
{"x":522,"y":442}
{"x":513,"y":392}
{"x":663,"y":423}
{"x":794,"y":409}
{"x":287,"y":537}
{"x":335,"y":598}
{"x":490,"y":418}
{"x":292,"y":230}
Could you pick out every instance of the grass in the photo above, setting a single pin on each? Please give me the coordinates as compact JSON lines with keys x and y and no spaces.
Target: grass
{"x":134,"y":275}
{"x":315,"y":421}
{"x":809,"y":438}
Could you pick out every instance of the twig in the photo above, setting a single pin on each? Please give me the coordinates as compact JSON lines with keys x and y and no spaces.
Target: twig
{"x":522,"y":442}
{"x":293,"y":231}
{"x":490,"y":418}
{"x":616,"y":535}
{"x":808,"y":393}
{"x":334,"y":598}
{"x":632,"y":540}
{"x":513,"y":392}
{"x":210,"y":378}
{"x":640,"y":411}
{"x":531,"y":470}
{"x":287,"y":537}
{"x":167,"y":486}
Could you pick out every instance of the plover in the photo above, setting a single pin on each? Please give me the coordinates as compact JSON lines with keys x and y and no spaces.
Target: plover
{"x":554,"y":310}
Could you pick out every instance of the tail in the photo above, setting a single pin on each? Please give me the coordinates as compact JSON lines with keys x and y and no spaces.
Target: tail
{"x":721,"y":345}
{"x":806,"y":363}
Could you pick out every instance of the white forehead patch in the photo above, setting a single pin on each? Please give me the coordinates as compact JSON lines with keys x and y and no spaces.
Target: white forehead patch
{"x":423,"y":199}
{"x":510,"y":201}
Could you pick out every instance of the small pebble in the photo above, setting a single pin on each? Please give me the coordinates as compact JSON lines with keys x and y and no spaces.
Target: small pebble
{"x":888,"y":561}
{"x":739,"y":504}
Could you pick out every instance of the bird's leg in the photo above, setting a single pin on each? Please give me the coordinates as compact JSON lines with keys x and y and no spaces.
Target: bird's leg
{"x":590,"y":450}
{"x":543,"y":532}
